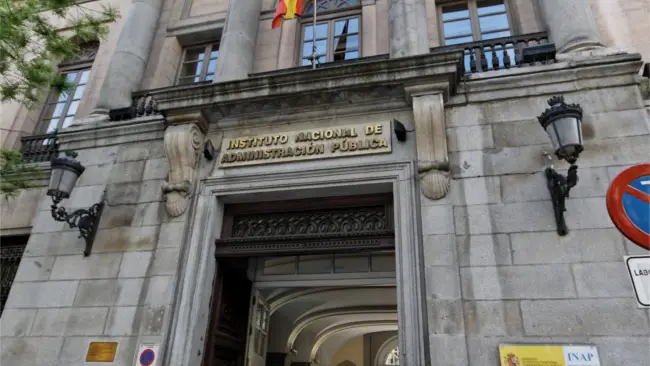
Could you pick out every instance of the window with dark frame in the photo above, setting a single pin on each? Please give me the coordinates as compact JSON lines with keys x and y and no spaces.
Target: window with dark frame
{"x":475,"y":20}
{"x":61,"y":108}
{"x":337,"y":33}
{"x":11,"y":252}
{"x":199,"y":64}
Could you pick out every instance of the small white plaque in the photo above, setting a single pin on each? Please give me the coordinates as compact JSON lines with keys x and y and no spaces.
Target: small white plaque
{"x":639,"y":268}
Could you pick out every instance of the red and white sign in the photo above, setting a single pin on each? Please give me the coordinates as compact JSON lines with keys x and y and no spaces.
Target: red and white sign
{"x":148,"y":355}
{"x":628,"y":204}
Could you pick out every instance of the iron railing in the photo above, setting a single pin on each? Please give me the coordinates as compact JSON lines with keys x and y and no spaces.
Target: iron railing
{"x":39,"y":148}
{"x":11,"y":251}
{"x":504,"y":53}
{"x":143,"y":105}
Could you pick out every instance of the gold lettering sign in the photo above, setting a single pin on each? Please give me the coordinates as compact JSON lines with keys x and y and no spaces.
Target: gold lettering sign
{"x":101,"y":352}
{"x":331,"y":142}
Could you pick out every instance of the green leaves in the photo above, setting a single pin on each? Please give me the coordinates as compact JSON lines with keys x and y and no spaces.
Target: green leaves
{"x":30,"y":45}
{"x":15,"y":173}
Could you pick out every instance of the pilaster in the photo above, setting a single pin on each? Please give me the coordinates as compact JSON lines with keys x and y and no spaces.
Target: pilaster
{"x":431,"y":137}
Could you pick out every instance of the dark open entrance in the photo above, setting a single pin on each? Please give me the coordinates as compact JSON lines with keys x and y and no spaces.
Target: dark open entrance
{"x":350,"y":224}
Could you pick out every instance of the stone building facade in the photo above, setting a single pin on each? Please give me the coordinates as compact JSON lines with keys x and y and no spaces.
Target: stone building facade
{"x":167,"y":118}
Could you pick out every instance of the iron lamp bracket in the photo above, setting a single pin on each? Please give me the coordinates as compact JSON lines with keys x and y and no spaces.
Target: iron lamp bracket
{"x":87,"y":220}
{"x":559,"y":187}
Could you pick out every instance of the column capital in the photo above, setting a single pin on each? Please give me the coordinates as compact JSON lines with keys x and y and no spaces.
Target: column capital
{"x":194,"y":117}
{"x":426,"y":88}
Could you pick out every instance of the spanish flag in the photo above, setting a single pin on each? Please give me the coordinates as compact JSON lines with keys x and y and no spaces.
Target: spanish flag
{"x":287,"y":9}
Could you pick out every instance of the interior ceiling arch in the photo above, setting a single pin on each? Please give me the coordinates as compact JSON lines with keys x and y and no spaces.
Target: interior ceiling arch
{"x":339,"y":334}
{"x":331,"y":317}
{"x":289,"y":308}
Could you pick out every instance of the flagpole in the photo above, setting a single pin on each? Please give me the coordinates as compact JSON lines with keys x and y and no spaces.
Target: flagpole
{"x":313,"y":38}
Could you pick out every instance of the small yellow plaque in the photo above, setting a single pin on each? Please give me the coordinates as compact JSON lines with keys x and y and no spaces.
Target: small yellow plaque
{"x":101,"y":352}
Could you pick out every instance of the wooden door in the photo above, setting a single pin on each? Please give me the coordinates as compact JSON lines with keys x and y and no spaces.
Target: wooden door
{"x":226,"y":340}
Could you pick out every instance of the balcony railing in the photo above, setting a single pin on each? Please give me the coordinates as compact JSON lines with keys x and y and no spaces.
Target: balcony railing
{"x":504,"y":53}
{"x":39,"y":148}
{"x":143,"y":105}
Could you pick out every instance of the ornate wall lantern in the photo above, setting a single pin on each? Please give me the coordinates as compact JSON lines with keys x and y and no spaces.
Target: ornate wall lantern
{"x":65,"y":172}
{"x":563,"y":124}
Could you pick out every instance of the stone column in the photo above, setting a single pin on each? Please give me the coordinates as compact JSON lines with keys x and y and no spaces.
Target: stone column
{"x":127,"y":64}
{"x":237,"y":48}
{"x":407,"y":28}
{"x":570,"y":24}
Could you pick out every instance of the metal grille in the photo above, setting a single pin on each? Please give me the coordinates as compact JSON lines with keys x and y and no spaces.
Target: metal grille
{"x":11,"y":251}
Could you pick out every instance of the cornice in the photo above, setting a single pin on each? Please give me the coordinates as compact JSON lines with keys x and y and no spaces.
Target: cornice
{"x":561,"y":77}
{"x":106,"y":133}
{"x":282,"y":92}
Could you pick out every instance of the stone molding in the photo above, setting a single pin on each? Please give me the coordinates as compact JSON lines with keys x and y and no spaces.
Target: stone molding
{"x":561,"y":77}
{"x":192,"y":296}
{"x":273,"y":93}
{"x":102,"y":133}
{"x":183,"y":141}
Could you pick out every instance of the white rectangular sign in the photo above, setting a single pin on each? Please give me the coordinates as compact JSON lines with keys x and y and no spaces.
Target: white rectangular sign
{"x":148,"y":355}
{"x":639,"y":268}
{"x":581,"y":356}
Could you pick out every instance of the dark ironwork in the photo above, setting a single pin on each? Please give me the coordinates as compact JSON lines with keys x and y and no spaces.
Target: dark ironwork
{"x":559,"y":187}
{"x":360,"y":220}
{"x":65,"y":171}
{"x":11,"y":251}
{"x":39,"y":148}
{"x":143,"y":105}
{"x":87,"y":220}
{"x":299,"y":230}
{"x":562,"y":122}
{"x":504,"y":53}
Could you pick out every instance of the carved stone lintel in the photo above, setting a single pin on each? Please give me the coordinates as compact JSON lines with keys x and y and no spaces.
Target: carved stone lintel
{"x":182,"y":146}
{"x":431,"y":138}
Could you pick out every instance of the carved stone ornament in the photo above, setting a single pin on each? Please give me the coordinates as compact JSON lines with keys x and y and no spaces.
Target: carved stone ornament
{"x":435,"y":179}
{"x":431,"y":139}
{"x":182,"y":146}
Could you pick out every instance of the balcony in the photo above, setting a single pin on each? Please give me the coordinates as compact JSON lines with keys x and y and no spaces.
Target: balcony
{"x":504,"y":53}
{"x":39,"y":148}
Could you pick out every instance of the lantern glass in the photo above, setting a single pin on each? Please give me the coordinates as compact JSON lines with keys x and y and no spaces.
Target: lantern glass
{"x":566,"y":135}
{"x":65,"y":172}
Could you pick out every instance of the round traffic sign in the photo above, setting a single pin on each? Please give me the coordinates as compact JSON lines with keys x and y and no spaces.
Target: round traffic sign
{"x":147,"y":356}
{"x":628,"y":204}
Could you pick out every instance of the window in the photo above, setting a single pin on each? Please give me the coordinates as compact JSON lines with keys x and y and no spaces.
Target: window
{"x":339,"y":263}
{"x":393,"y":358}
{"x":199,"y":63}
{"x":11,"y":252}
{"x":336,"y":36}
{"x":61,"y":108}
{"x":474,"y":20}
